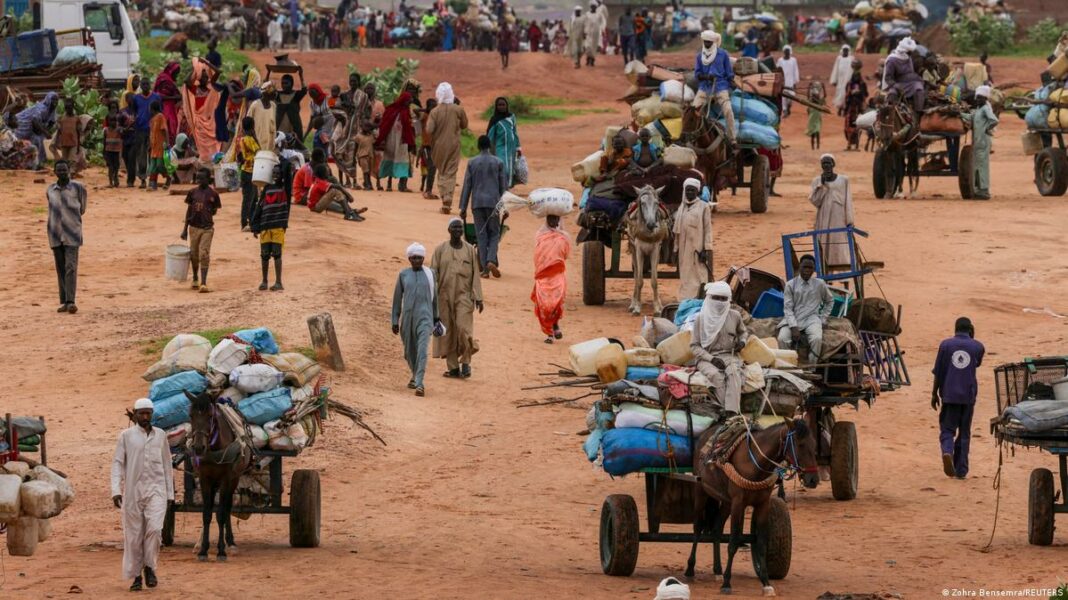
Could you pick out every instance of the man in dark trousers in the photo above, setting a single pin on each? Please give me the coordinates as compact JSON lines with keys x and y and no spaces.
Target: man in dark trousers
{"x":955,"y":387}
{"x":66,"y":205}
{"x":484,"y":184}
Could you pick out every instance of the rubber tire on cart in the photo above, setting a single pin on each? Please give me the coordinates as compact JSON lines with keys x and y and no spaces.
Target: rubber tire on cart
{"x":780,"y":539}
{"x":966,"y":173}
{"x":619,"y":535}
{"x":1051,"y":172}
{"x":845,"y":466}
{"x":1040,"y":508}
{"x":592,"y":273}
{"x":759,"y":182}
{"x":305,"y":509}
{"x":167,"y":534}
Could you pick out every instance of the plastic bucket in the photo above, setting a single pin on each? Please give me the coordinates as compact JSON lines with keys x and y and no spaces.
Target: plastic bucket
{"x":263,"y":168}
{"x":227,"y":177}
{"x":176,"y":265}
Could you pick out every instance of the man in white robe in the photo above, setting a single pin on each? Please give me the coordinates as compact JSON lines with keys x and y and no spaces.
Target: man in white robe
{"x":594,"y":26}
{"x":693,"y":240}
{"x":841,"y":73}
{"x":834,"y":210}
{"x":791,"y":75}
{"x":576,"y":34}
{"x":142,"y":484}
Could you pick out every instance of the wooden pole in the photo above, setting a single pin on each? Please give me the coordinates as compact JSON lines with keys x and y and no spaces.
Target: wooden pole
{"x":324,"y":340}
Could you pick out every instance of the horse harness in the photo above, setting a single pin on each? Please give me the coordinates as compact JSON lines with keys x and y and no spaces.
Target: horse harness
{"x":234,"y":452}
{"x":784,"y":469}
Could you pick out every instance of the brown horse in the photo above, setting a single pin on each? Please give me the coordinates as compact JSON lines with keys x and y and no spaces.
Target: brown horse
{"x":709,"y":142}
{"x":220,"y":459}
{"x":751,"y":470}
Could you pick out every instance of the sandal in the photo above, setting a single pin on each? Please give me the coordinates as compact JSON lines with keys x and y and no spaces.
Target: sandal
{"x":263,"y":286}
{"x":452,"y":373}
{"x":136,"y":585}
{"x":465,"y":371}
{"x":494,"y":271}
{"x":549,"y":339}
{"x":411,"y":384}
{"x":419,"y":391}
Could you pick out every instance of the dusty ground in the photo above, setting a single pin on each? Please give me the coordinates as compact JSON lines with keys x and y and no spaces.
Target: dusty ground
{"x":474,"y":497}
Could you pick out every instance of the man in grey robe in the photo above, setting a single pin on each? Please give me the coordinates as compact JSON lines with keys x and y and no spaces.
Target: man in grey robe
{"x":718,"y":335}
{"x":576,"y":35}
{"x":415,"y":314}
{"x":807,"y":305}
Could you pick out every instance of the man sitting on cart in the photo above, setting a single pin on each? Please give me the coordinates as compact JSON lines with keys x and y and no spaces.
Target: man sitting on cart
{"x":603,"y":193}
{"x":807,"y":306}
{"x":714,"y":75}
{"x":718,"y":335}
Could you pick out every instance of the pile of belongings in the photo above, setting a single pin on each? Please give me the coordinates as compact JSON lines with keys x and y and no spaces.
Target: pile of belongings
{"x":972,"y":10}
{"x":29,"y":431}
{"x":1049,"y":108}
{"x":30,"y":496}
{"x":278,"y":396}
{"x":1036,"y":416}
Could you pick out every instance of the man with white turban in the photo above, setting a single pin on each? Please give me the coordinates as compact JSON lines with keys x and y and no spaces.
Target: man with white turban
{"x":807,"y":304}
{"x":791,"y":75}
{"x":900,"y":79}
{"x":833,"y":200}
{"x":459,"y":288}
{"x":983,"y":122}
{"x":446,"y":122}
{"x":576,"y":33}
{"x":141,"y":486}
{"x":718,"y":335}
{"x":714,"y":76}
{"x":693,"y":240}
{"x":595,"y":24}
{"x":415,"y":313}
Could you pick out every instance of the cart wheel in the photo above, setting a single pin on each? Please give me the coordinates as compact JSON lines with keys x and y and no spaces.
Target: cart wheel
{"x":966,"y":173}
{"x":758,"y":185}
{"x":305,"y":508}
{"x":668,"y":312}
{"x":1040,"y":508}
{"x":780,"y":540}
{"x":1051,"y":172}
{"x":619,"y":535}
{"x":168,"y":527}
{"x":845,"y":468}
{"x":592,"y":273}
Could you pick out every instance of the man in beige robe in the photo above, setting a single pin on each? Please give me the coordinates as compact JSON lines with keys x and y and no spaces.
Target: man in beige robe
{"x":446,"y":121}
{"x":141,"y":486}
{"x":834,"y":210}
{"x":693,"y":240}
{"x":576,"y":36}
{"x":263,"y":114}
{"x":459,"y":289}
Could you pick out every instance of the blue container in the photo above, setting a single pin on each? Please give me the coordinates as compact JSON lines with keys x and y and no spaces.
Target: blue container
{"x":170,"y":411}
{"x":34,"y":49}
{"x":266,"y":406}
{"x":630,"y":449}
{"x":189,"y":381}
{"x":261,"y":339}
{"x":769,"y":305}
{"x":642,"y":373}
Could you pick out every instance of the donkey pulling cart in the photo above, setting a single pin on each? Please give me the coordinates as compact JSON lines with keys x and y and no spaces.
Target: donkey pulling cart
{"x":1034,"y":380}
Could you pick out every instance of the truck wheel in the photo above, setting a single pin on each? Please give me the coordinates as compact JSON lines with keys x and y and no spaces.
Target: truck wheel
{"x":305,"y":509}
{"x":780,"y":540}
{"x":845,"y":468}
{"x":966,"y":173}
{"x":592,"y":273}
{"x":758,"y":185}
{"x":167,"y":534}
{"x":1040,"y":508}
{"x":1051,"y":172}
{"x":619,"y":535}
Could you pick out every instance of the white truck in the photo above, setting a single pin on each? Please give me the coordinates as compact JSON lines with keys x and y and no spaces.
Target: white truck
{"x":117,"y":49}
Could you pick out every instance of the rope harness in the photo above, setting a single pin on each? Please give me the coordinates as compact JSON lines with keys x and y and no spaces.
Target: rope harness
{"x":785,"y":468}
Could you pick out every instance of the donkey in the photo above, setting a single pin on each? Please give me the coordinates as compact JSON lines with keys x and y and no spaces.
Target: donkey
{"x":648,"y":224}
{"x":709,"y":141}
{"x":220,"y":459}
{"x":747,"y":478}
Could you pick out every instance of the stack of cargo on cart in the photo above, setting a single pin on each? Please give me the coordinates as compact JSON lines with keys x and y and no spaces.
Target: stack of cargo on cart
{"x":1045,"y":111}
{"x":31,"y":494}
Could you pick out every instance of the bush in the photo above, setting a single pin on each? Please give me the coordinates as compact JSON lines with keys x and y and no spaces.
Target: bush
{"x":388,"y":82}
{"x":88,"y":102}
{"x":985,"y":34}
{"x":1045,"y":33}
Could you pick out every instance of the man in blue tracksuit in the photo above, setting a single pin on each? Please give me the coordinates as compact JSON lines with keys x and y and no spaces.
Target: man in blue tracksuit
{"x":714,"y":76}
{"x":955,"y":386}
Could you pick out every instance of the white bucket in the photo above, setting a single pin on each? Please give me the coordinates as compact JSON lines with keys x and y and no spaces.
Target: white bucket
{"x":263,"y":168}
{"x":227,"y":177}
{"x":176,"y":265}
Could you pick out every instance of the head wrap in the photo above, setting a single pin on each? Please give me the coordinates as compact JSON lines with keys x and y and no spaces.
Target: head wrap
{"x":708,"y":36}
{"x":416,"y":249}
{"x":714,"y":312}
{"x":983,"y":91}
{"x":692,"y":182}
{"x":444,"y":93}
{"x":830,"y":156}
{"x":708,"y":55}
{"x":846,"y":47}
{"x":904,"y":47}
{"x":672,"y":589}
{"x":267,"y":86}
{"x":787,"y":48}
{"x":455,"y":220}
{"x":142,"y":404}
{"x":316,"y":92}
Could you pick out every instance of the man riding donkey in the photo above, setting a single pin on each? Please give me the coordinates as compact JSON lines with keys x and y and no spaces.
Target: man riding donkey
{"x":715,"y":76}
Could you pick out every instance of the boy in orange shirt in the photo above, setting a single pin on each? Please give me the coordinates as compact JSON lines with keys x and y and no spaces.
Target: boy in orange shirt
{"x":157,"y":142}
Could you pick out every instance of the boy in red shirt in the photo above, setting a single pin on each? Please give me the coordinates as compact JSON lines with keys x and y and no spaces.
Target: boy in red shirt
{"x":323,"y":193}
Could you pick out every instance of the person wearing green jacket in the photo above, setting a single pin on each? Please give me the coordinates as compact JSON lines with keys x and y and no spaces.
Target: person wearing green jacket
{"x":983,"y":122}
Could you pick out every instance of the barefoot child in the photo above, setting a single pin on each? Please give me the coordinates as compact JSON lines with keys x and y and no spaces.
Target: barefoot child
{"x":203,"y":203}
{"x":157,"y":142}
{"x":270,"y":219}
{"x":112,"y":148}
{"x":815,"y":116}
{"x":365,"y":154}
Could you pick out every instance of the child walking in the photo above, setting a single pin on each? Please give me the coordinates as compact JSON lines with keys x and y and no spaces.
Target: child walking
{"x":270,"y":219}
{"x":112,"y":148}
{"x":815,"y":116}
{"x":365,"y":155}
{"x":69,"y":133}
{"x":249,"y":147}
{"x":203,"y":202}
{"x":157,"y":145}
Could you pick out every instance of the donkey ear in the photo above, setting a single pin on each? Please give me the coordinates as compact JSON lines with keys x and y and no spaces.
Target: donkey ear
{"x":637,"y":190}
{"x":660,"y":190}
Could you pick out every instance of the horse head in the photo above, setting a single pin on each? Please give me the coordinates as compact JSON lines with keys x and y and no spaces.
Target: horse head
{"x":648,"y":200}
{"x":799,"y":450}
{"x":202,"y":418}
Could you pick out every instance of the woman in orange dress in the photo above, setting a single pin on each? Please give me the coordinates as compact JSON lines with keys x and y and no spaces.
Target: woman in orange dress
{"x":551,"y":249}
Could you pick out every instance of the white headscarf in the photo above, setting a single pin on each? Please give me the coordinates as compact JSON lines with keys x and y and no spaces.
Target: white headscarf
{"x":142,"y":404}
{"x":455,"y":220}
{"x":416,"y":249}
{"x":830,"y":156}
{"x":983,"y":91}
{"x":847,"y":48}
{"x":714,"y":312}
{"x":694,"y":183}
{"x":709,"y":54}
{"x":904,"y":47}
{"x":444,"y":93}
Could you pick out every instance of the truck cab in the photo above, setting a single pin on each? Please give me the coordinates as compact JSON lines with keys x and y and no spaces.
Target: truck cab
{"x":117,"y":49}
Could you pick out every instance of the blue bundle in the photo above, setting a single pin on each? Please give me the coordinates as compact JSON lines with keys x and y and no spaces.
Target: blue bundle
{"x":170,"y":411}
{"x":266,"y":406}
{"x":629,"y":450}
{"x":261,"y":339}
{"x":642,"y":373}
{"x":760,"y":135}
{"x":189,"y":381}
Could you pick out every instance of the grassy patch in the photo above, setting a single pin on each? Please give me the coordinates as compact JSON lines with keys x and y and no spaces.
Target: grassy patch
{"x":539,"y":109}
{"x":155,"y":347}
{"x":154,"y":57}
{"x":40,"y":210}
{"x":307,"y":351}
{"x":468,"y":143}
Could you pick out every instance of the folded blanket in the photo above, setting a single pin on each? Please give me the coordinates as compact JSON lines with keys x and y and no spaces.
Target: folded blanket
{"x":1039,"y":415}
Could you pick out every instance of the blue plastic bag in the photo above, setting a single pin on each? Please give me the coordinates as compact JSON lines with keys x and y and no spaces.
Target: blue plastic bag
{"x":688,"y":308}
{"x":189,"y":381}
{"x":170,"y":411}
{"x":761,"y":135}
{"x":642,"y":373}
{"x":629,"y":449}
{"x":1037,"y":116}
{"x":261,"y":339}
{"x":266,"y":406}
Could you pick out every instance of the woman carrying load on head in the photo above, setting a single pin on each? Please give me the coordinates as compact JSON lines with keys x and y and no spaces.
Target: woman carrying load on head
{"x":552,"y":246}
{"x":856,"y":98}
{"x":504,"y":134}
{"x":718,"y":335}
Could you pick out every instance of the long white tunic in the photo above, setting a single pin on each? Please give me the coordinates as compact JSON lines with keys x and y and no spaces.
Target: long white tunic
{"x":791,"y":74}
{"x":693,"y":233}
{"x":141,"y":473}
{"x":834,"y":210}
{"x":840,"y":76}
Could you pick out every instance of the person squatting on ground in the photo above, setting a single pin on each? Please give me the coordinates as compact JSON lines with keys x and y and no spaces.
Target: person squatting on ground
{"x":714,"y":75}
{"x":270,"y":219}
{"x":203,"y":202}
{"x":415,"y":314}
{"x":455,"y":267}
{"x":141,"y":487}
{"x":955,"y":388}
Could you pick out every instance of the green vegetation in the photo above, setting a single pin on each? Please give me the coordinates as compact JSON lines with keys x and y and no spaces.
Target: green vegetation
{"x":531,"y":109}
{"x":154,"y":57}
{"x":1061,"y":593}
{"x":985,"y":34}
{"x":307,"y":351}
{"x":155,"y":347}
{"x":88,"y":102}
{"x":23,"y":23}
{"x":1045,"y":33}
{"x":468,"y":143}
{"x":388,"y":82}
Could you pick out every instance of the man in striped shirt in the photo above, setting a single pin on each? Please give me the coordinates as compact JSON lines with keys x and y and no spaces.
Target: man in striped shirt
{"x":66,"y":205}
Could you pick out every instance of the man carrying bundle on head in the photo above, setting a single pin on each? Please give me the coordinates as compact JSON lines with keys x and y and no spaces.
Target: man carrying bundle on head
{"x":714,"y":76}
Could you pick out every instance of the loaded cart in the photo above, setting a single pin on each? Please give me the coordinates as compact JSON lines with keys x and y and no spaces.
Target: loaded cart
{"x":1027,"y":418}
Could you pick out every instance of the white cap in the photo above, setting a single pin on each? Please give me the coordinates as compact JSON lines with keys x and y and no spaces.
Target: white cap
{"x":416,"y":249}
{"x":983,"y":91}
{"x":830,"y":156}
{"x":142,"y":404}
{"x":692,"y":182}
{"x":455,"y":220}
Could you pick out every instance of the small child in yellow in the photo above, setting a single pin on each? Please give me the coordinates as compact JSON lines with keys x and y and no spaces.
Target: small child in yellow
{"x":249,"y":147}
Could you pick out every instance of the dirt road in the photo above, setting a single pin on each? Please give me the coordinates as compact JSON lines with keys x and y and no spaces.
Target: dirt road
{"x":473,"y":497}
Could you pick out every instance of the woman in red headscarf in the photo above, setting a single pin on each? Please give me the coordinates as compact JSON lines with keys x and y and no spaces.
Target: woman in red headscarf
{"x":167,"y":88}
{"x":395,"y":136}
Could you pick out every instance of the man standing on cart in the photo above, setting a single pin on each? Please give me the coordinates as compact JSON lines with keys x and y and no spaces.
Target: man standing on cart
{"x":956,"y":387}
{"x":714,"y":75}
